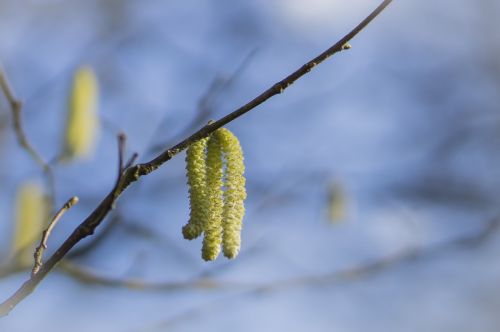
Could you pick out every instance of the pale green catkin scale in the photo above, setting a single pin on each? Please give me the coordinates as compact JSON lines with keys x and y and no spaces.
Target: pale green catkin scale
{"x":235,"y":193}
{"x":213,"y":191}
{"x":196,"y":179}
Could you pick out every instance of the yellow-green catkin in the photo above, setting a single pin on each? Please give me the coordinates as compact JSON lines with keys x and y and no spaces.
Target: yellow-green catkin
{"x":30,"y":220}
{"x":336,"y":203}
{"x":82,"y":121}
{"x":196,"y":179}
{"x":234,"y":194}
{"x":213,"y":221}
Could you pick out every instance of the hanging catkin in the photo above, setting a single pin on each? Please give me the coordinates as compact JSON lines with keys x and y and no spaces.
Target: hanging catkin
{"x":196,"y":179}
{"x":31,"y":213}
{"x":234,"y":194}
{"x":213,"y":222}
{"x":82,"y":121}
{"x":216,"y":182}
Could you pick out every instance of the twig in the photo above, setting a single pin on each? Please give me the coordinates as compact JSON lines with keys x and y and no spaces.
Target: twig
{"x":131,"y":160}
{"x":16,"y":107}
{"x":46,"y":233}
{"x":122,"y":139}
{"x":88,"y":277}
{"x":133,"y":173}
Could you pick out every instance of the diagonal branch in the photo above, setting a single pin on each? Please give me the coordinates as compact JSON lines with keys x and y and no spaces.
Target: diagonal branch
{"x":133,"y":173}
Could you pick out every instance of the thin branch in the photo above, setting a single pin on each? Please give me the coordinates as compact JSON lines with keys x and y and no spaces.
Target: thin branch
{"x":131,"y":160}
{"x":16,"y":107}
{"x":86,"y":276}
{"x":122,"y":139}
{"x":46,"y":233}
{"x":133,"y":173}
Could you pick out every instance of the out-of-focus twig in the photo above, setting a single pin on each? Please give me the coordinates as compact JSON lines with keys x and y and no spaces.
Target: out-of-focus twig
{"x":135,"y":172}
{"x":359,"y":271}
{"x":16,"y":107}
{"x":86,"y":276}
{"x":364,"y":270}
{"x":46,"y":233}
{"x":350,"y":274}
{"x":207,"y":102}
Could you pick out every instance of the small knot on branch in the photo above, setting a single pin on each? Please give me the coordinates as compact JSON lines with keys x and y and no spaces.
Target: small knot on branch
{"x":346,"y":46}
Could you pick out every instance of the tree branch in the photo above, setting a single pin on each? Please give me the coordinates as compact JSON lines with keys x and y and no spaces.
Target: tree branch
{"x":468,"y":241}
{"x":133,"y":173}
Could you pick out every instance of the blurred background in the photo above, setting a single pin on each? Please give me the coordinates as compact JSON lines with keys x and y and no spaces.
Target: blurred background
{"x":373,"y":182}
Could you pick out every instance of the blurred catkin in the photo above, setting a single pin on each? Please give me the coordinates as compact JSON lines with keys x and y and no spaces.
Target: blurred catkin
{"x":82,"y":121}
{"x":234,"y":194}
{"x":336,"y":203}
{"x":196,"y":179}
{"x":213,"y":221}
{"x":30,"y":220}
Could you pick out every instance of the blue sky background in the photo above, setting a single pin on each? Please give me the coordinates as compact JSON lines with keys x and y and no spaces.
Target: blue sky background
{"x":406,"y":123}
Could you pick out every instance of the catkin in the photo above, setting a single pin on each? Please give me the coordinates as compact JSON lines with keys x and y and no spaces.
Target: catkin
{"x":215,"y":172}
{"x":31,"y":213}
{"x":234,"y":194}
{"x":213,"y":221}
{"x":82,"y":121}
{"x":196,"y":179}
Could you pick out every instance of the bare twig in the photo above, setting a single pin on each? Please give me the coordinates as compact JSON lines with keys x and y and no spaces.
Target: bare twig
{"x":122,"y":139}
{"x":46,"y":233}
{"x":133,"y":173}
{"x":86,"y":276}
{"x":131,"y":160}
{"x":16,"y":107}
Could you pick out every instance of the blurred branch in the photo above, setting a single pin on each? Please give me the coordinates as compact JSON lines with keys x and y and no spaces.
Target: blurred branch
{"x":16,"y":107}
{"x":133,"y":173}
{"x":364,"y":270}
{"x":86,"y":276}
{"x":46,"y":233}
{"x":350,"y":274}
{"x":466,"y":241}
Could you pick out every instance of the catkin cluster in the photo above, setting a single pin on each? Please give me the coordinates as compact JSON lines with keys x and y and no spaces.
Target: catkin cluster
{"x":216,"y":183}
